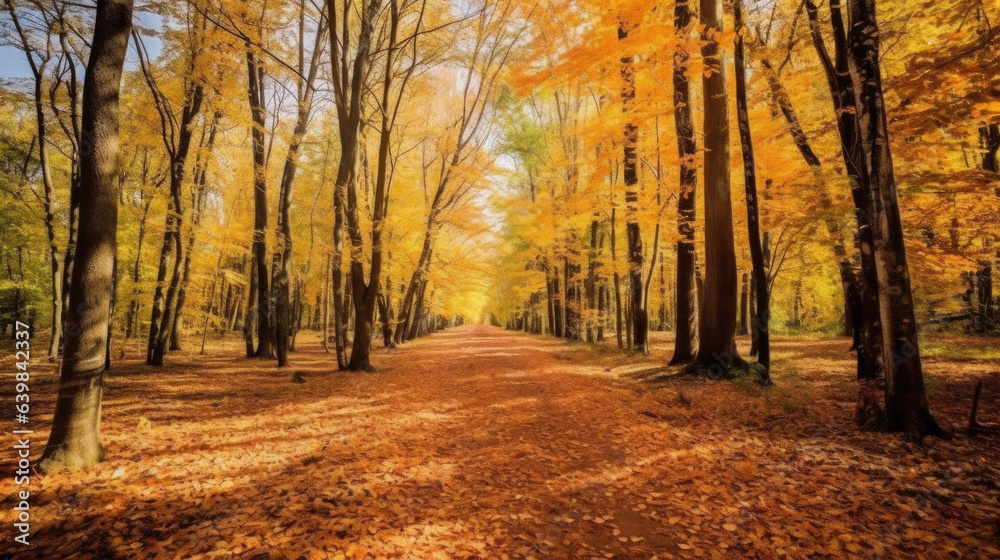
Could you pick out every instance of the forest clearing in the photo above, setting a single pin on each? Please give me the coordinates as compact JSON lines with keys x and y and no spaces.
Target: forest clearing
{"x":480,"y":443}
{"x":480,"y":279}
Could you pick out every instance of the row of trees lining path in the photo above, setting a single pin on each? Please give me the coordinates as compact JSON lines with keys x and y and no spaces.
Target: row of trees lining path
{"x":879,"y":298}
{"x":369,"y":51}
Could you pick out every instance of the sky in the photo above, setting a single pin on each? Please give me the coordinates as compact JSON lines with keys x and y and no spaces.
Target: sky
{"x":14,"y":66}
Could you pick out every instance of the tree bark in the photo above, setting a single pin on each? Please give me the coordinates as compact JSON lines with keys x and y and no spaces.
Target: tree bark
{"x":172,"y":250}
{"x":617,"y":280}
{"x":630,"y":174}
{"x":75,"y":438}
{"x":762,"y":315}
{"x":837,"y":71}
{"x":718,"y":328}
{"x":685,"y":315}
{"x":197,"y":207}
{"x":906,"y":405}
{"x":283,"y":254}
{"x":255,"y":95}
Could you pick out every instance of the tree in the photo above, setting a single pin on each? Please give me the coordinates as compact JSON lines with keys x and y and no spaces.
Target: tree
{"x":492,"y":44}
{"x":718,"y":325}
{"x":685,"y":301}
{"x":177,"y":134}
{"x":75,"y":438}
{"x":868,"y":339}
{"x":38,"y":68}
{"x":305,"y":92}
{"x":350,"y":67}
{"x":759,"y":323}
{"x":906,"y":407}
{"x":630,"y":174}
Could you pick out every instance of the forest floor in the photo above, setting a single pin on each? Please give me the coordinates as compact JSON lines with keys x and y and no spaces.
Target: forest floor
{"x":480,"y":443}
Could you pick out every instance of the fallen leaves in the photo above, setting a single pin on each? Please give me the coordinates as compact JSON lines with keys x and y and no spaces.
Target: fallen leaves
{"x":470,"y":461}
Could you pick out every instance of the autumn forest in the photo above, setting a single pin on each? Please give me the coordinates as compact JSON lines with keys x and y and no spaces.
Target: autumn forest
{"x":500,"y":279}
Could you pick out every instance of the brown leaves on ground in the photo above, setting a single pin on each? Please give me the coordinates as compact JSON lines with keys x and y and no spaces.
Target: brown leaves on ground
{"x":477,"y":443}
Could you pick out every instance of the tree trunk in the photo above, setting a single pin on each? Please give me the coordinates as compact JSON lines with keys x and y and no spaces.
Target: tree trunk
{"x":630,"y":173}
{"x":717,"y":329}
{"x":75,"y":438}
{"x":47,"y":198}
{"x":255,"y":95}
{"x":550,"y":299}
{"x":328,"y":273}
{"x":744,"y":300}
{"x":906,"y":405}
{"x":132,"y":321}
{"x":250,"y":316}
{"x":617,"y":280}
{"x":762,"y":315}
{"x":842,"y":90}
{"x":685,"y":315}
{"x":306,"y":89}
{"x":592,"y":282}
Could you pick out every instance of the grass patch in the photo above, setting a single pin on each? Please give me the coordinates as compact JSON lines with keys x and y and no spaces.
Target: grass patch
{"x":960,"y":349}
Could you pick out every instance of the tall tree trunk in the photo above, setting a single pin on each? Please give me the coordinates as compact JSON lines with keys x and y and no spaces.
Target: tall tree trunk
{"x":559,"y":301}
{"x":617,"y":281}
{"x":306,"y":89}
{"x":337,"y":273}
{"x":744,"y":300}
{"x":75,"y":438}
{"x":685,"y":313}
{"x":327,"y":277}
{"x":197,"y":207}
{"x":601,"y":299}
{"x":348,"y":81}
{"x":630,"y":173}
{"x":153,"y":355}
{"x":255,"y":95}
{"x":762,"y":315}
{"x":550,"y":299}
{"x":111,"y":312}
{"x":132,"y":322}
{"x":906,"y":405}
{"x":250,"y":316}
{"x":717,"y":329}
{"x":869,"y":346}
{"x":591,"y":286}
{"x":172,"y":251}
{"x":47,"y":198}
{"x":366,"y":294}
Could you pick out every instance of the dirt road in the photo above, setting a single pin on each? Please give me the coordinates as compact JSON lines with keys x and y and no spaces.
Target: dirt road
{"x":479,"y":443}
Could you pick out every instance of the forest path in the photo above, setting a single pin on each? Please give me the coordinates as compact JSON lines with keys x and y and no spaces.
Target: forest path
{"x":480,"y":443}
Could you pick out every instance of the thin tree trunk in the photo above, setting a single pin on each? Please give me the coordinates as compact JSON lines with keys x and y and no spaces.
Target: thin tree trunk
{"x":132,"y":322}
{"x":47,"y":198}
{"x":255,"y":94}
{"x":617,"y":281}
{"x":250,"y":316}
{"x":762,"y":315}
{"x":591,"y":286}
{"x":306,"y":89}
{"x":630,"y":173}
{"x":744,"y":300}
{"x":685,"y":313}
{"x":327,"y":277}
